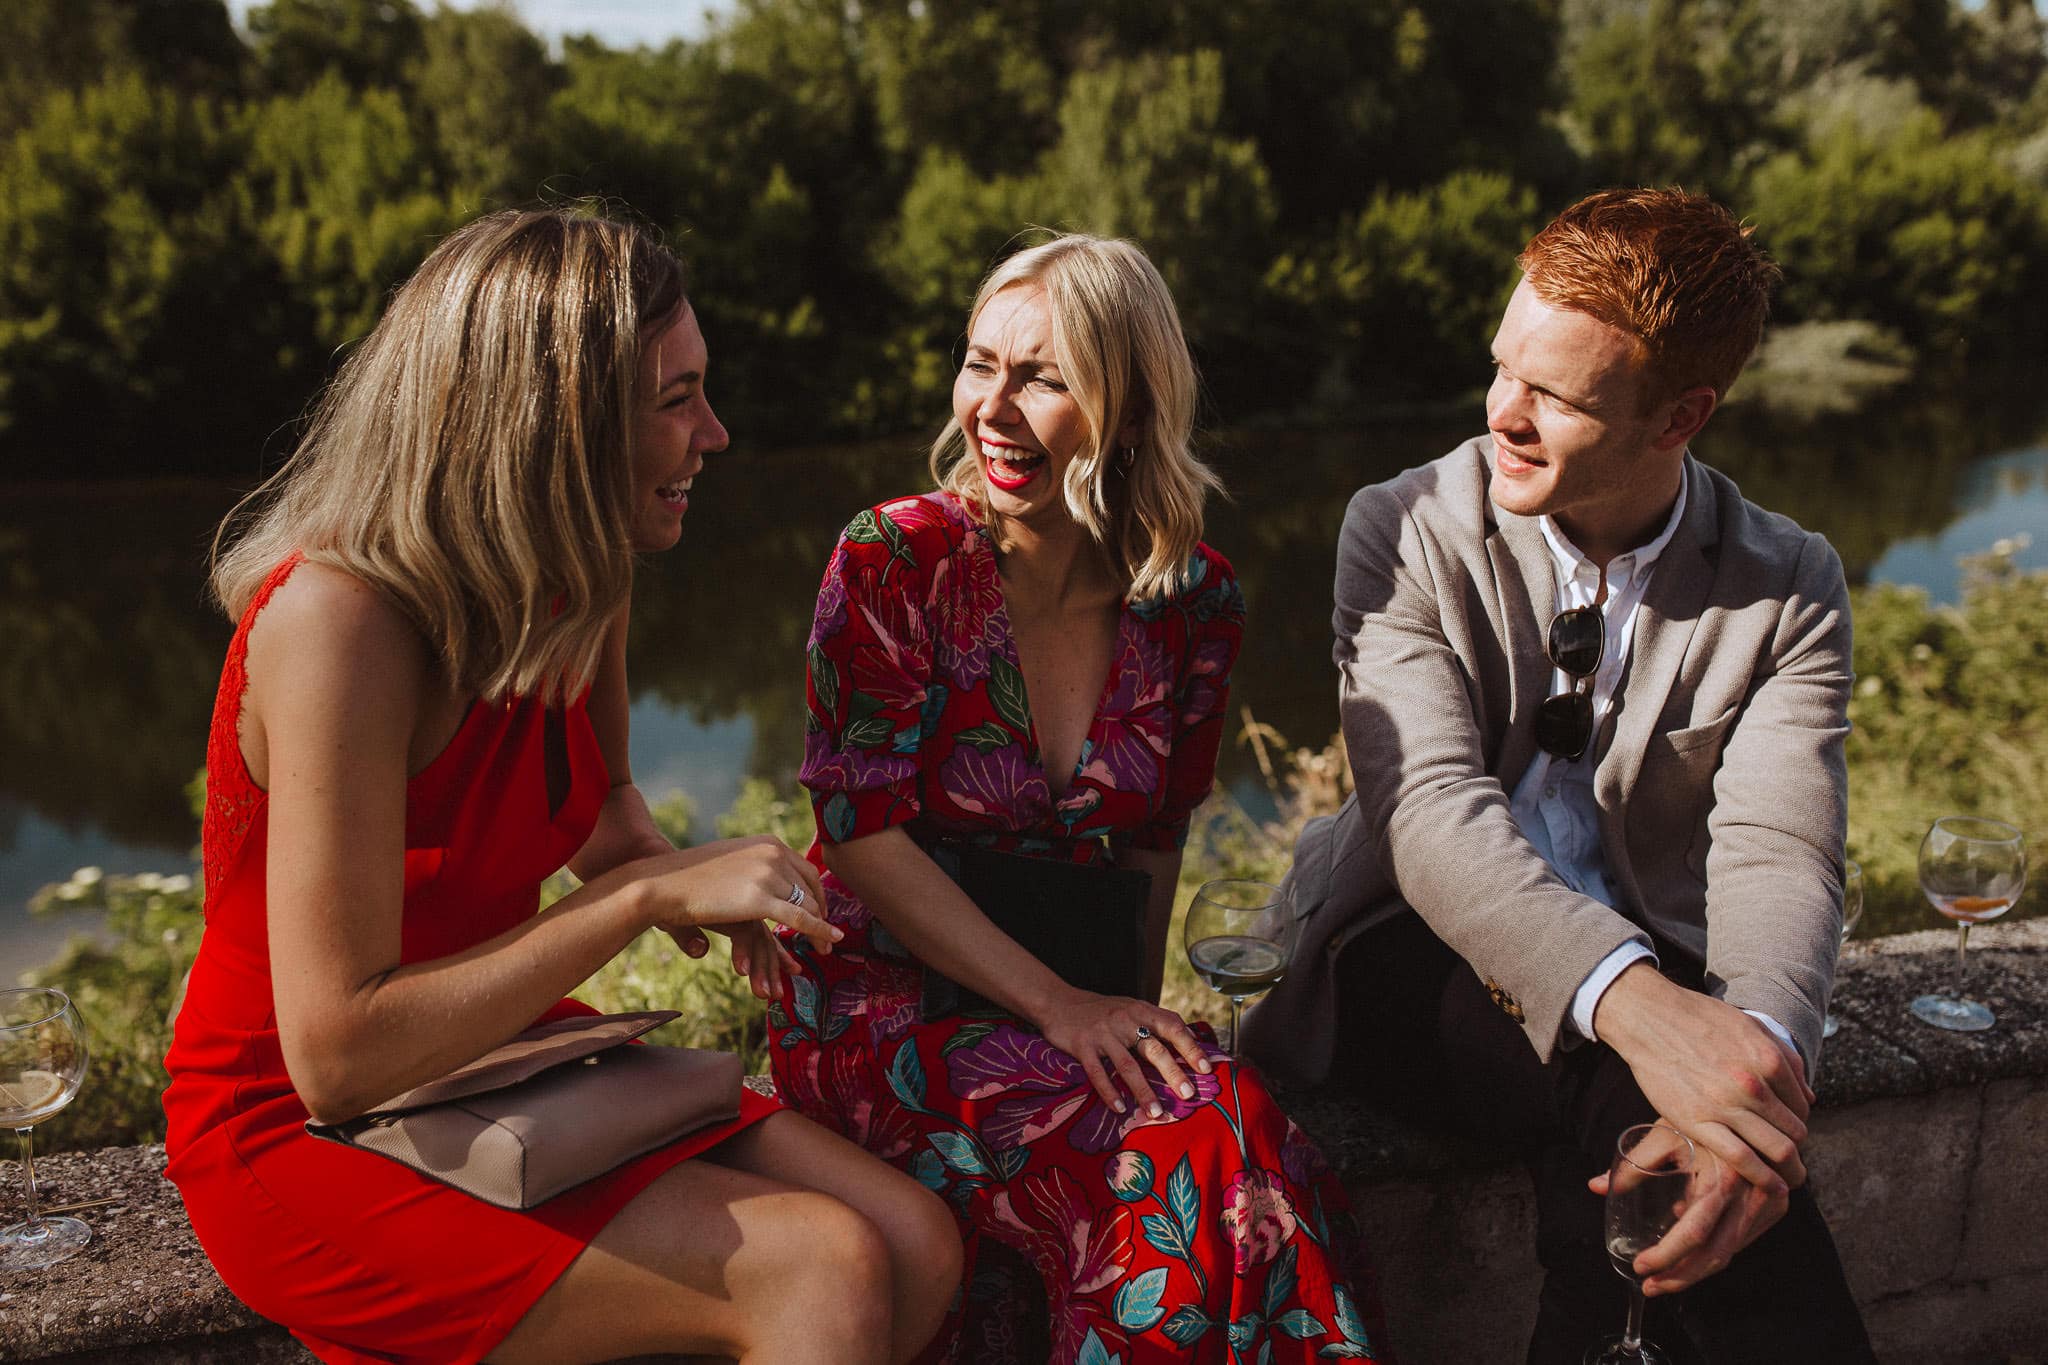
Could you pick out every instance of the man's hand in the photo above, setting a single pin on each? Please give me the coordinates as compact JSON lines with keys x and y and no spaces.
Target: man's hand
{"x":1719,"y":1077}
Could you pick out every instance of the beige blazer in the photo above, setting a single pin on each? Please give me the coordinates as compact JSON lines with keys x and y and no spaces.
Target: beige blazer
{"x":1719,"y":777}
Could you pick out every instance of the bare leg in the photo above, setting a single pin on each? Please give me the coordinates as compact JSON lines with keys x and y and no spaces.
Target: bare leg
{"x":715,"y":1260}
{"x":922,"y":1236}
{"x":784,"y":1244}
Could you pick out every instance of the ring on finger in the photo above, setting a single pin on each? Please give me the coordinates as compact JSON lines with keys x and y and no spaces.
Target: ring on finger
{"x":796,"y":895}
{"x":1143,"y":1033}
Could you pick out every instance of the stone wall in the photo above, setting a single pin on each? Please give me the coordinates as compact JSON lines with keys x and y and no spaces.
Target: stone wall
{"x":1929,"y":1156}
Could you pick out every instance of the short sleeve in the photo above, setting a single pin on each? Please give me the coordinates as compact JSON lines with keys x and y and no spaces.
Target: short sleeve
{"x":1209,"y":617}
{"x":868,"y":664}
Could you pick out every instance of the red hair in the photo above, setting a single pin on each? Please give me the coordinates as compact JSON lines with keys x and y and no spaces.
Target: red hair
{"x":1675,"y":271}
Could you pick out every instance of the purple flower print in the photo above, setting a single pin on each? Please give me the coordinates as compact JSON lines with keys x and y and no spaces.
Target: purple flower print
{"x":827,"y":767}
{"x":1129,"y":1175}
{"x":966,"y":595}
{"x":1258,"y":1216}
{"x":998,"y":784}
{"x":1044,"y":1088}
{"x":1133,"y":751}
{"x":830,"y":617}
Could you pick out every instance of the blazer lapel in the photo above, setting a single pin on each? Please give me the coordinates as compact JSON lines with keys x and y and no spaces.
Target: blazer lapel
{"x":1526,"y":588}
{"x":1669,"y":613}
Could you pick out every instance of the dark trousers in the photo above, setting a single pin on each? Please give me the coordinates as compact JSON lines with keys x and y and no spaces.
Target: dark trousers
{"x":1420,"y":1035}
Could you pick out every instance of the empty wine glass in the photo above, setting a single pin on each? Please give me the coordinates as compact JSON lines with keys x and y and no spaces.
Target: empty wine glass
{"x":1852,"y":910}
{"x":1647,"y":1188}
{"x":1971,"y":870}
{"x":42,"y":1062}
{"x":1239,"y":935}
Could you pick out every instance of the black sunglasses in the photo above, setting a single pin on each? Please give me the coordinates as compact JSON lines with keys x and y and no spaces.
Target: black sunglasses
{"x":1564,"y":722}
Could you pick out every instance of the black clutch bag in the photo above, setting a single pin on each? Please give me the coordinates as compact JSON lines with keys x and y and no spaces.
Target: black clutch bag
{"x":1086,"y":922}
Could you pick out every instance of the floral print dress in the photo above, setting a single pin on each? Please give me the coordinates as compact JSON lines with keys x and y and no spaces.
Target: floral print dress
{"x":1214,"y":1233}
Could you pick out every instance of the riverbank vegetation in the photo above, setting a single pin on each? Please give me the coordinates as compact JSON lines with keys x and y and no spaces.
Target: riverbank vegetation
{"x":195,"y":221}
{"x":1950,"y":714}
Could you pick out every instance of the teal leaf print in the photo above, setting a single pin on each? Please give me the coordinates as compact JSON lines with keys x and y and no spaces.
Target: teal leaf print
{"x":1165,"y":1235}
{"x":1245,"y":1330}
{"x":1137,"y":1305}
{"x":1300,"y":1324}
{"x":986,"y":737}
{"x":867,"y":726}
{"x":825,"y":680}
{"x":810,"y":1003}
{"x":1186,"y":1326}
{"x":906,"y":740}
{"x":1356,"y":1342}
{"x":792,"y":1039}
{"x":933,"y":710}
{"x":1006,"y":690}
{"x":839,"y":817}
{"x":961,"y":1152}
{"x":906,"y":1076}
{"x":1012,"y":1161}
{"x":778,"y":1017}
{"x":1266,"y":1352}
{"x":1280,"y":1280}
{"x":1093,"y":1352}
{"x":864,"y":530}
{"x":1185,"y":1200}
{"x":929,"y":1171}
{"x":836,"y":1024}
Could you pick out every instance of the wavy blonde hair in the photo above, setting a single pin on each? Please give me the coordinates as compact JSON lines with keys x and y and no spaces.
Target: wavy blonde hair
{"x":473,"y":457}
{"x":1123,"y":357}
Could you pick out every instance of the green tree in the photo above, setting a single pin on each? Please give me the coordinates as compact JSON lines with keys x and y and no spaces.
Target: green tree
{"x":51,"y":45}
{"x":365,"y":42}
{"x":481,"y":85}
{"x":131,"y":289}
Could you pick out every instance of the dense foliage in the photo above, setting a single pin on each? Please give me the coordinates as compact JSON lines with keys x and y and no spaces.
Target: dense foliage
{"x":194,"y":222}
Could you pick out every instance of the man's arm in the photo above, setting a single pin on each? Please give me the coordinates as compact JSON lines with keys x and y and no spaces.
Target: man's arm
{"x":1773,"y":907}
{"x":1412,"y":725}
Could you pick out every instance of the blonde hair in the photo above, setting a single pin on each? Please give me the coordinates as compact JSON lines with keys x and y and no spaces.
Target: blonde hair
{"x":1123,"y":358}
{"x":473,"y":457}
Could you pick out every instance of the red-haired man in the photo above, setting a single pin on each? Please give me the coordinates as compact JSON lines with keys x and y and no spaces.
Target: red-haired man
{"x":1591,"y":876}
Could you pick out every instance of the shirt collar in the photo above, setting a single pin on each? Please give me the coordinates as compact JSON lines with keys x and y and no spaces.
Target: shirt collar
{"x":1567,"y":558}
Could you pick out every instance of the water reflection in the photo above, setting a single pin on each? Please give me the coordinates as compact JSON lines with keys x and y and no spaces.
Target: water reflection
{"x":113,"y":652}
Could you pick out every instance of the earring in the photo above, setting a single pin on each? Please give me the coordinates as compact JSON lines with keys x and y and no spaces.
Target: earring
{"x":1130,"y":457}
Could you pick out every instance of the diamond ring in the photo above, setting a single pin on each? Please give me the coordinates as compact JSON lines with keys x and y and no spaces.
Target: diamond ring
{"x":1143,"y":1033}
{"x":796,"y":895}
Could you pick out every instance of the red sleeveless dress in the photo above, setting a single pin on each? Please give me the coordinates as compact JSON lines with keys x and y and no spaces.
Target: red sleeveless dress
{"x":363,"y":1259}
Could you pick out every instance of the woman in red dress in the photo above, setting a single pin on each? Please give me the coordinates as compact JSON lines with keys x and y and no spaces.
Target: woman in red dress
{"x":1036,"y":659}
{"x":422,"y":715}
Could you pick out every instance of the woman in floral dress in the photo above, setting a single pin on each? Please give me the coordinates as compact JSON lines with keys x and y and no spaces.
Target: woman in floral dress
{"x":1036,"y":659}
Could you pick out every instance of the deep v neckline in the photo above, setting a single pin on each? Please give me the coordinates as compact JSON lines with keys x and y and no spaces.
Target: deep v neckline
{"x":1008,"y":651}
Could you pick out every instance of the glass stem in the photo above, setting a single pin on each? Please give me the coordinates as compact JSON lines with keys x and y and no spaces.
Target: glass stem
{"x":34,"y":1225}
{"x":1962,"y":946}
{"x":1236,"y":1004}
{"x":1632,"y":1335}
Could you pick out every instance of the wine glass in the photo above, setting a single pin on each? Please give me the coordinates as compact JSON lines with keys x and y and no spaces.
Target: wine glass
{"x":1972,"y":870}
{"x":1239,"y":935}
{"x":1852,"y":910}
{"x":1648,"y":1187}
{"x":42,"y":1062}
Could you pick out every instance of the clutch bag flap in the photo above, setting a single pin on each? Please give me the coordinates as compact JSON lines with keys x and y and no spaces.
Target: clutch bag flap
{"x":529,"y":1054}
{"x":521,"y":1144}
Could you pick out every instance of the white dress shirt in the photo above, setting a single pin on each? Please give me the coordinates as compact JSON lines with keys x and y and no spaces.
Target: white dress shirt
{"x":1554,"y":804}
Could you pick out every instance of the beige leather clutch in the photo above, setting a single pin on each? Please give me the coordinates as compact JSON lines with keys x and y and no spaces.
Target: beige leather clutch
{"x":560,"y":1104}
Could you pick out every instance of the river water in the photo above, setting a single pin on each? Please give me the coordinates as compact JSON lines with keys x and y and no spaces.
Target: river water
{"x":111,"y":654}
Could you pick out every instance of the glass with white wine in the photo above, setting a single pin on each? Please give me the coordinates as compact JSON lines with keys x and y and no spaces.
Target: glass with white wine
{"x":1649,"y":1185}
{"x":42,"y":1063}
{"x":1971,"y":870}
{"x":1239,"y":936}
{"x":1852,"y":910}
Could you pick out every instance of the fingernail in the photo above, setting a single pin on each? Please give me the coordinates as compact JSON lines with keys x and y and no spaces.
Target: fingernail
{"x":1187,"y":1090}
{"x":837,"y":933}
{"x":1119,"y":1106}
{"x":1155,"y":1111}
{"x":1205,"y":1066}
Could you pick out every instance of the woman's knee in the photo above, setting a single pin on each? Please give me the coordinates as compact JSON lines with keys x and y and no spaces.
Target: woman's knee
{"x":846,"y":1258}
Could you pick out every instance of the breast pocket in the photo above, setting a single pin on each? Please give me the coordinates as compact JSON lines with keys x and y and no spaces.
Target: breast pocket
{"x":1677,"y":780}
